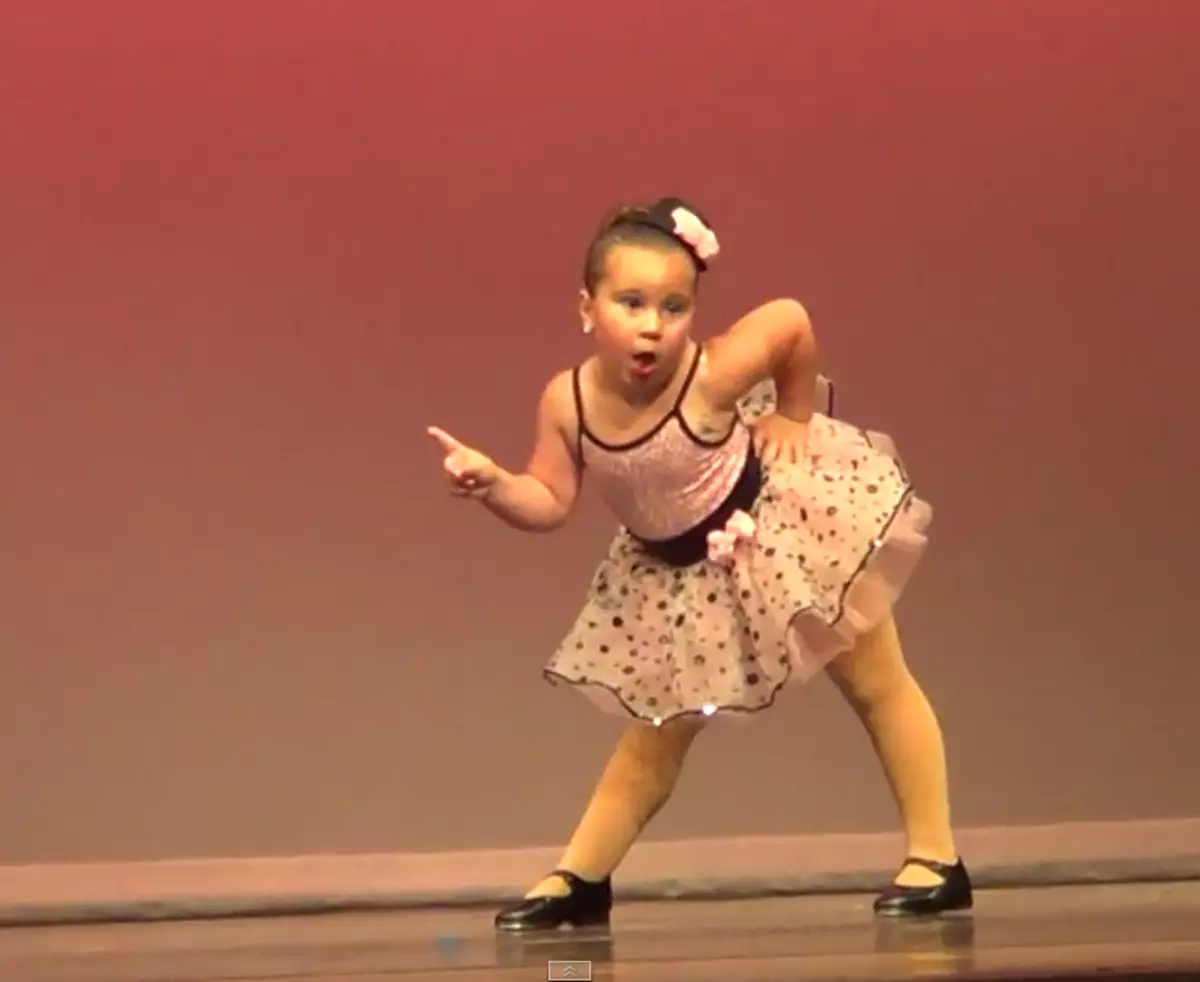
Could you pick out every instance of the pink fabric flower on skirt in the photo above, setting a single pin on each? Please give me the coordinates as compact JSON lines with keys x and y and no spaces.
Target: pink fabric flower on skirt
{"x":723,"y":542}
{"x":695,"y":233}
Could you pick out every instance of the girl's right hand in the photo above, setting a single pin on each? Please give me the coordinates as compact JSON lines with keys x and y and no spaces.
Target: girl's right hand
{"x":470,"y":473}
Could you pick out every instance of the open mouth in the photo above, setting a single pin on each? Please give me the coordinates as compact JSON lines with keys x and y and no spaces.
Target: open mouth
{"x":644,"y":361}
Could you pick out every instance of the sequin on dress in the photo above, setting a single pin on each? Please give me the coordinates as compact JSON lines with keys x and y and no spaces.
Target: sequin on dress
{"x":666,"y":631}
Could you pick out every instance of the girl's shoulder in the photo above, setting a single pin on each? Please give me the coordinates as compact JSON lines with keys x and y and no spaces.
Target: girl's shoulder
{"x":559,"y":402}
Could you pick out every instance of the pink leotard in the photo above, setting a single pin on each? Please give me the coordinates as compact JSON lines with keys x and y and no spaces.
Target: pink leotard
{"x":669,"y":480}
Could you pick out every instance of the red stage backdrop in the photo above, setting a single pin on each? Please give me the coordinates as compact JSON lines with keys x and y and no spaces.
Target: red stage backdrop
{"x":248,"y":251}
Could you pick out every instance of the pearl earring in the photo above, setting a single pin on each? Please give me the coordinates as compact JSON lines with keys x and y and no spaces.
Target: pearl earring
{"x":587,"y":328}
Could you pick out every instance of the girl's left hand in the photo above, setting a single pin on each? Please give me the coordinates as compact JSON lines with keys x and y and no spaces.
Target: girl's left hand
{"x":777,"y":438}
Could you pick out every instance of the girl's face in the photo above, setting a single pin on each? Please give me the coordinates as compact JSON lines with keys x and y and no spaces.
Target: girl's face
{"x":641,"y":313}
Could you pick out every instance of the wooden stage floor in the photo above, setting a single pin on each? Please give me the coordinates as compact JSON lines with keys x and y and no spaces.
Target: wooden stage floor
{"x":1064,"y":932}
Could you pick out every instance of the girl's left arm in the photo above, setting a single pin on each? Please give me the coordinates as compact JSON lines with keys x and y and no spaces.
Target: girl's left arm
{"x":773,"y":341}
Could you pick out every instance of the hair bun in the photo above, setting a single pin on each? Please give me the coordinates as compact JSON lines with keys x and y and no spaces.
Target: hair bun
{"x":687,"y":224}
{"x":667,"y":219}
{"x":664,"y":207}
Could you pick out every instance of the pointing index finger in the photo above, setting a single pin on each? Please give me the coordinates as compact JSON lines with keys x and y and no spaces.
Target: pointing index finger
{"x":445,"y":439}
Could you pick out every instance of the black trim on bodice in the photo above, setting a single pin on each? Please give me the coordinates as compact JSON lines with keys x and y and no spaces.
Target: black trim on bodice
{"x":688,"y":547}
{"x":674,"y":413}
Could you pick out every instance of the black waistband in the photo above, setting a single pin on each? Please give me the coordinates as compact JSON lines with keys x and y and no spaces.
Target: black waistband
{"x":691,"y":546}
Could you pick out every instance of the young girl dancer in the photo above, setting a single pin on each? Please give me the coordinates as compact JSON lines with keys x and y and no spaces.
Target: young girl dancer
{"x":762,"y":542}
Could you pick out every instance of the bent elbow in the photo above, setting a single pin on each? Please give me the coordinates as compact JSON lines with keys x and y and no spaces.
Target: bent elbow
{"x":789,"y":310}
{"x":790,"y":330}
{"x":799,"y":324}
{"x":545,"y":523}
{"x":554,"y":517}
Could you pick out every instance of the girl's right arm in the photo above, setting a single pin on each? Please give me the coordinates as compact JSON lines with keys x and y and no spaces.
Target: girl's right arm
{"x":541,"y":498}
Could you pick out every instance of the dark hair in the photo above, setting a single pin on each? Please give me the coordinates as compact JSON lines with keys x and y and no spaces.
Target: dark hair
{"x":636,"y":224}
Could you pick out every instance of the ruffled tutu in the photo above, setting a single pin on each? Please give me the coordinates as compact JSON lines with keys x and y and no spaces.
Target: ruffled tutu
{"x":834,"y":540}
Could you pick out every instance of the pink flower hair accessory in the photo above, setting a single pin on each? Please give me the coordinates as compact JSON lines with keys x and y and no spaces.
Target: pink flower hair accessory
{"x":723,"y":542}
{"x":701,"y":239}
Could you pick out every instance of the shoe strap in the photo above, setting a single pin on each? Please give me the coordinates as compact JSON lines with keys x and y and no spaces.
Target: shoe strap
{"x":574,"y":880}
{"x":941,"y":869}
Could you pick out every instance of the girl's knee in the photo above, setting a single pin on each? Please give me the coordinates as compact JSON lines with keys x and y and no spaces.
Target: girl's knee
{"x":874,"y":669}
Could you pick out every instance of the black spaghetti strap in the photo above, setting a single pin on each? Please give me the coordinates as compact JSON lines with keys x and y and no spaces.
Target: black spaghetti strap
{"x":577,"y":388}
{"x":687,"y":382}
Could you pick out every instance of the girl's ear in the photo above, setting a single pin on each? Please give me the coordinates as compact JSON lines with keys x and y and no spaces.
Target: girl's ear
{"x":587,"y":308}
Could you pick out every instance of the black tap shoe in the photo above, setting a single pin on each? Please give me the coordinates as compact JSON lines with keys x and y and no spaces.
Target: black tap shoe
{"x":952,"y":894}
{"x":588,"y":904}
